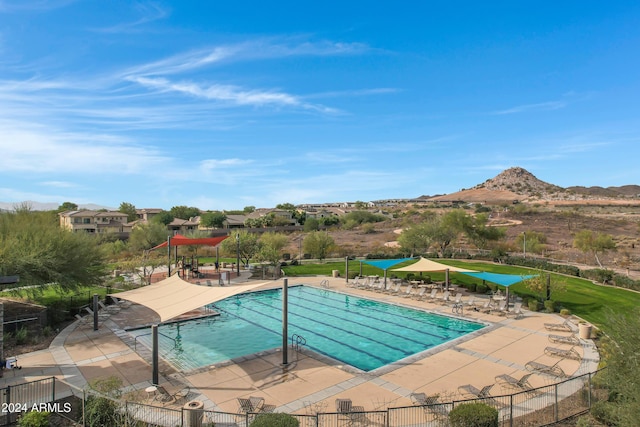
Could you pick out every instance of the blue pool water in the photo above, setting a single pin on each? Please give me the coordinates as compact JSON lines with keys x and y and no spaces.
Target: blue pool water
{"x":363,"y":333}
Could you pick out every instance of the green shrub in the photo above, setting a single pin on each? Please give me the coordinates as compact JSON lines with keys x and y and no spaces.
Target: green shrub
{"x":565,"y":312}
{"x":274,"y":419}
{"x":534,"y":305}
{"x":471,"y":287}
{"x":473,"y":415}
{"x":34,"y":419}
{"x":21,"y":335}
{"x":605,"y":412}
{"x":550,"y":306}
{"x":482,"y":288}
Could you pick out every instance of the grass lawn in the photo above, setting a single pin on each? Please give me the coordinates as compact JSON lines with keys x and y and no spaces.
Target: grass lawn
{"x":50,"y":295}
{"x":582,"y":297}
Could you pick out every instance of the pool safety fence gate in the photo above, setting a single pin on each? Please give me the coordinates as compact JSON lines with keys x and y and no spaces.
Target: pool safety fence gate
{"x":533,"y":408}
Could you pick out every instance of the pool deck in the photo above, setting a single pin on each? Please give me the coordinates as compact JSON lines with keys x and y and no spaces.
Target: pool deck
{"x":307,"y":384}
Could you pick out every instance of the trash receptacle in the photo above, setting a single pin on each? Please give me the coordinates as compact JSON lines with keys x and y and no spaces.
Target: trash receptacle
{"x":194,"y":413}
{"x":335,"y":273}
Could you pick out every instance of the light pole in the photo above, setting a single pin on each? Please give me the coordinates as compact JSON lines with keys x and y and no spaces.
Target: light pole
{"x":238,"y":253}
{"x":524,"y":244}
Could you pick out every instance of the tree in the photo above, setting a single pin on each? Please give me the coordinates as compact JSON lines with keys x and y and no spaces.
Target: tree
{"x":33,"y":246}
{"x":130,"y":210}
{"x":67,"y":206}
{"x":479,"y":233}
{"x":311,"y":224}
{"x":589,"y":242}
{"x":214,"y":219}
{"x":248,"y":242}
{"x":163,"y":218}
{"x":146,"y":236}
{"x":318,"y":244}
{"x":248,"y":209}
{"x":447,"y":228}
{"x":184,"y":212}
{"x":416,"y":239}
{"x":271,"y":245}
{"x":532,"y":241}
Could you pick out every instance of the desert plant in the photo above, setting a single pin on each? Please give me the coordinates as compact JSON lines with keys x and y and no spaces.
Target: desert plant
{"x":21,"y":335}
{"x":473,"y":415}
{"x":274,"y":419}
{"x":550,"y":306}
{"x":533,"y":305}
{"x":34,"y":419}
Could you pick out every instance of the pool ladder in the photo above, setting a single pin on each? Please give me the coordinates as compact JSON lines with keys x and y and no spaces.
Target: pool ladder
{"x":325,"y":284}
{"x":296,"y":342}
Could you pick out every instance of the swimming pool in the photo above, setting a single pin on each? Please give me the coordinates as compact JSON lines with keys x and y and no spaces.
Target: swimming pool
{"x":362,"y":333}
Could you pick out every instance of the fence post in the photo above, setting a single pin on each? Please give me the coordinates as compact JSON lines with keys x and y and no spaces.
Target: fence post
{"x":555,"y":407}
{"x":84,"y":412}
{"x":511,"y":410}
{"x":9,"y":413}
{"x":53,"y":390}
{"x":590,"y":390}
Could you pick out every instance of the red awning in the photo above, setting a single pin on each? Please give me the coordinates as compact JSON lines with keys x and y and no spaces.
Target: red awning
{"x":179,"y":240}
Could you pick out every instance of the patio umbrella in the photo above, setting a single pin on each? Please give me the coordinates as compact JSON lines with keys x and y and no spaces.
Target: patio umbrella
{"x":427,"y":265}
{"x":384,"y":264}
{"x":505,"y":280}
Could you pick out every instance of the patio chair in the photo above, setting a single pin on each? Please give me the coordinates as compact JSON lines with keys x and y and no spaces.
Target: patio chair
{"x":355,"y":414}
{"x":570,"y":353}
{"x":565,"y":326}
{"x":564,"y":339}
{"x":553,"y":370}
{"x":487,"y":306}
{"x":423,"y":399}
{"x":471,"y":302}
{"x":354,"y":283}
{"x":522,"y":384}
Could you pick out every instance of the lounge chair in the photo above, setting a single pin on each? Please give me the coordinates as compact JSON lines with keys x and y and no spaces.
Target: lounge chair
{"x":471,"y":391}
{"x":181,"y":394}
{"x":471,"y":302}
{"x":563,"y":353}
{"x":517,"y":311}
{"x":433,"y":295}
{"x":563,"y":339}
{"x":501,"y":309}
{"x":354,"y":283}
{"x":487,"y":306}
{"x":565,"y":326}
{"x":553,"y":370}
{"x":163,"y":396}
{"x":444,"y":298}
{"x":393,"y":289}
{"x":522,"y":384}
{"x":430,"y":405}
{"x":419,"y":295}
{"x":406,"y":293}
{"x":457,"y":299}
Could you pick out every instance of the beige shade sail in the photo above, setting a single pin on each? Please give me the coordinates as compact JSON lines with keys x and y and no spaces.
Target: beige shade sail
{"x":427,"y":265}
{"x":173,"y":296}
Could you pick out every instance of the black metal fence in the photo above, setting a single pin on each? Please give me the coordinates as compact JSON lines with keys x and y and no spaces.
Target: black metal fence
{"x":533,"y":408}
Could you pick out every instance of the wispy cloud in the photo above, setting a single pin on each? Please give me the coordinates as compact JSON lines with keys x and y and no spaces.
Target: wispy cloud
{"x":148,"y":11}
{"x":542,"y":106}
{"x":59,"y":184}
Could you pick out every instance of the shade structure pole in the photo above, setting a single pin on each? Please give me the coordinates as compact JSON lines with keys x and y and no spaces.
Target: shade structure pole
{"x":346,"y":268}
{"x":446,"y":278}
{"x":285,"y":321}
{"x":154,"y":355}
{"x":169,"y":255}
{"x":385,"y":278}
{"x":360,"y":268}
{"x":95,"y":312}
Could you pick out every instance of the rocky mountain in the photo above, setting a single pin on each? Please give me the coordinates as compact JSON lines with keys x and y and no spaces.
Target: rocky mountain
{"x":523,"y":183}
{"x":517,"y":184}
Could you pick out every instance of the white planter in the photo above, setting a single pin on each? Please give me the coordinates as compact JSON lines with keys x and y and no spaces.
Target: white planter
{"x":584,"y":331}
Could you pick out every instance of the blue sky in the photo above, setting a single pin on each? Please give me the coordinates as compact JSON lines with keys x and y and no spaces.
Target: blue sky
{"x":222,"y":105}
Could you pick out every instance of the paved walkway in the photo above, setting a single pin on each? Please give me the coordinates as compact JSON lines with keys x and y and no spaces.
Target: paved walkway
{"x":308,"y":384}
